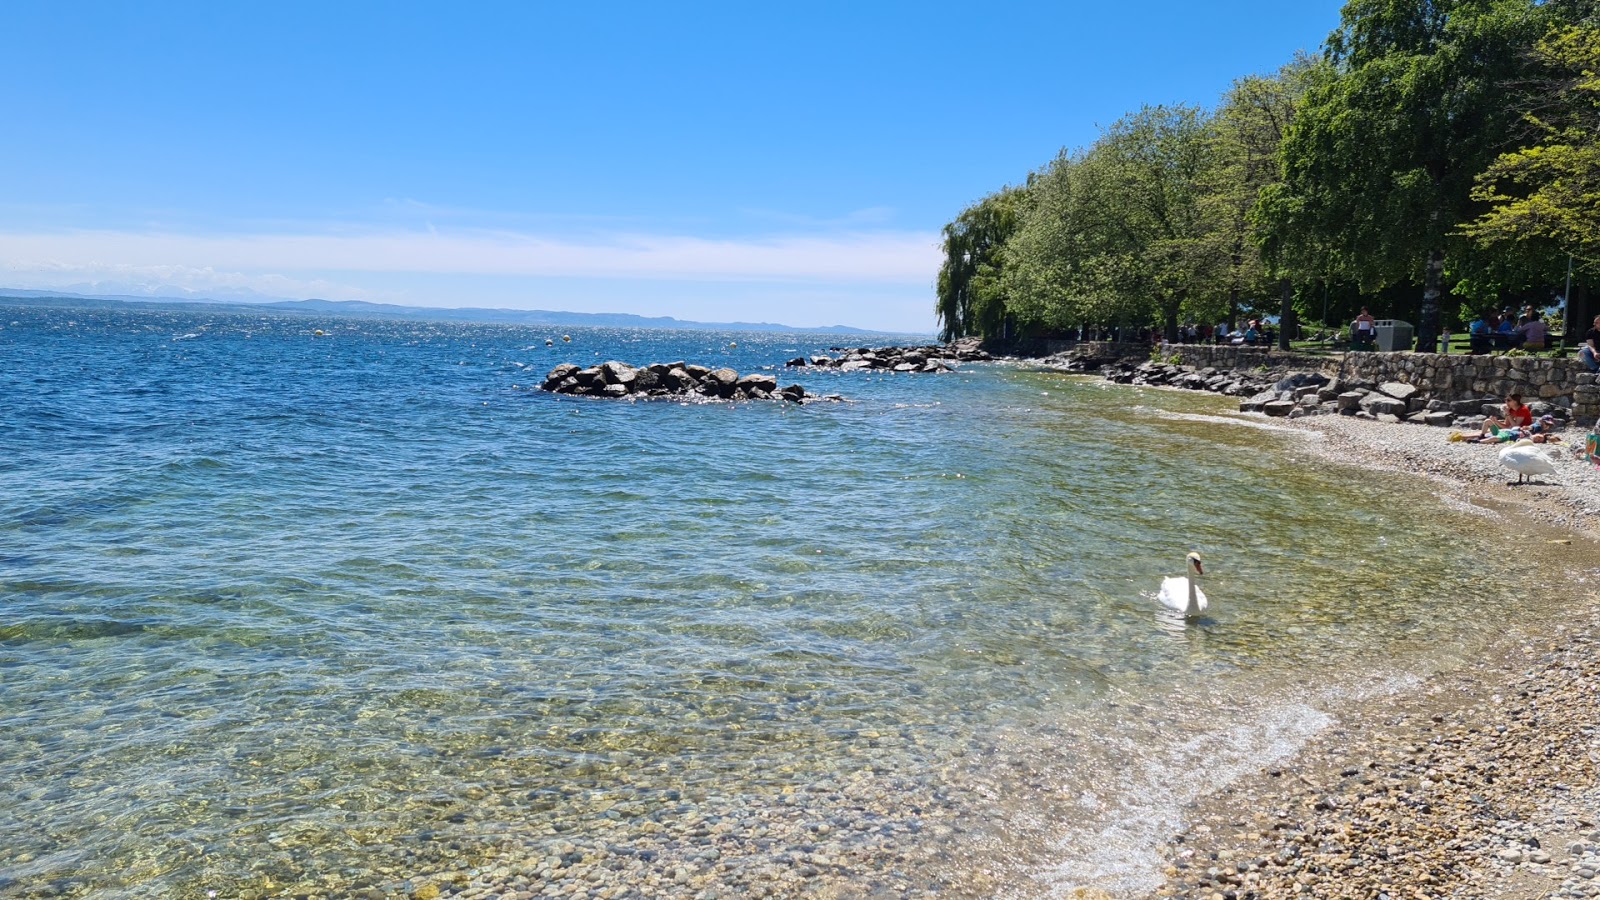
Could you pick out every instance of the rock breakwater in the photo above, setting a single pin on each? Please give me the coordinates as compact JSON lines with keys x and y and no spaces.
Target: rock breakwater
{"x":674,"y":379}
{"x":930,"y":358}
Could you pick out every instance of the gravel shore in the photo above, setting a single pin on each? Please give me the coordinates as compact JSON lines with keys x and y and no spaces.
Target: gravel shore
{"x":1480,"y":784}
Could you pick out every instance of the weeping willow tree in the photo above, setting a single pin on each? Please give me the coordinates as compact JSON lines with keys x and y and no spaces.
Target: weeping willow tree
{"x":971,"y":297}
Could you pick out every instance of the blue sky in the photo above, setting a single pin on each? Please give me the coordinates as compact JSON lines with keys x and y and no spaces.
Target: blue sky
{"x":717,"y":162}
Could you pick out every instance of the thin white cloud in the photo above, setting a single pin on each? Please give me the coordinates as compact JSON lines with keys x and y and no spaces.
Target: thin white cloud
{"x":169,"y":279}
{"x":863,"y":257}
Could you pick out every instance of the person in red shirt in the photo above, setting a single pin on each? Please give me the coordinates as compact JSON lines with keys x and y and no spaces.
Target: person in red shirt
{"x":1518,"y":415}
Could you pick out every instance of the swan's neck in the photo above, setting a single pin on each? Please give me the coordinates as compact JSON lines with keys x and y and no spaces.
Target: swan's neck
{"x":1193,"y":606}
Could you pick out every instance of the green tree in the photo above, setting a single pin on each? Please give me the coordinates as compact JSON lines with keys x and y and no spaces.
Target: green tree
{"x":1248,"y":133}
{"x":1380,"y":159}
{"x":970,"y":293}
{"x":1548,"y":195}
{"x":1119,"y":234}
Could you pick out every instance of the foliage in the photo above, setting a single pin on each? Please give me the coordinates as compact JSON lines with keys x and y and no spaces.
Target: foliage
{"x":1548,"y":195}
{"x":970,"y":296}
{"x":1172,"y":359}
{"x":1438,"y":156}
{"x":1120,"y":232}
{"x":1380,"y":161}
{"x":1248,"y":133}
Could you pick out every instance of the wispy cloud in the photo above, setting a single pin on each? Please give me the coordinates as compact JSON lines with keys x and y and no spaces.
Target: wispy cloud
{"x":880,"y":257}
{"x":120,"y":278}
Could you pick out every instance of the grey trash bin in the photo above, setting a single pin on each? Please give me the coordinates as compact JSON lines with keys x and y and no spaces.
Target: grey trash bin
{"x":1393,"y":335}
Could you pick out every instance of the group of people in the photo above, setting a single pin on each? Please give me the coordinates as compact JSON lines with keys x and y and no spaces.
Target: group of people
{"x":1502,"y":330}
{"x":1517,"y":424}
{"x":1254,"y":332}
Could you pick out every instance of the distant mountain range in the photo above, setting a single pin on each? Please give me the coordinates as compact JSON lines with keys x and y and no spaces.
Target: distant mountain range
{"x":365,"y":310}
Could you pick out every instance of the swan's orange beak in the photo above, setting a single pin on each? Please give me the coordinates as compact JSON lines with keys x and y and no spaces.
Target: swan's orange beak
{"x":1199,"y":569}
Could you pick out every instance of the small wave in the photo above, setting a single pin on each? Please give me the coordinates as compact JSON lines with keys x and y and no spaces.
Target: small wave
{"x":1121,"y":849}
{"x":1220,"y":420}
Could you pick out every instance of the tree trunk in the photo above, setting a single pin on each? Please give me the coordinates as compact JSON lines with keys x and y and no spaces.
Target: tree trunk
{"x":1233,"y":306}
{"x":1285,"y":313}
{"x":1432,"y":288}
{"x":1579,"y":314}
{"x":1172,"y":322}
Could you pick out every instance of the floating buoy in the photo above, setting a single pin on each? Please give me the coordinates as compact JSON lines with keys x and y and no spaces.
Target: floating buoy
{"x":319,"y":332}
{"x":549,"y":343}
{"x":566,"y":339}
{"x":732,"y":344}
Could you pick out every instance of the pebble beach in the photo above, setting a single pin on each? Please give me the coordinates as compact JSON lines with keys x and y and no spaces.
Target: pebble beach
{"x":1482,"y":782}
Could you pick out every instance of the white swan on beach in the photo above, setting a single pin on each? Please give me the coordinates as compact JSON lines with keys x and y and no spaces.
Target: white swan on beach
{"x":1182,"y":593}
{"x":1526,"y":459}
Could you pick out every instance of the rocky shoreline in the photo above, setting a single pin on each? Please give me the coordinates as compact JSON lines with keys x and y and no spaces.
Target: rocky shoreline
{"x":1482,"y":783}
{"x":1290,"y":394}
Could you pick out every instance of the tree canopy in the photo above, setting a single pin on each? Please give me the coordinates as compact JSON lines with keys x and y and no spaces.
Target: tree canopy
{"x":1440,"y":146}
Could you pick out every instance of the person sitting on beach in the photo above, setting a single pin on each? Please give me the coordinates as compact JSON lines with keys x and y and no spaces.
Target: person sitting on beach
{"x":1540,"y":432}
{"x":1517,"y":415}
{"x":1589,"y":350}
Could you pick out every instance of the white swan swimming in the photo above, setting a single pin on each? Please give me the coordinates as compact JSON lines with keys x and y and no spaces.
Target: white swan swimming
{"x":1182,"y":593}
{"x":1526,"y":459}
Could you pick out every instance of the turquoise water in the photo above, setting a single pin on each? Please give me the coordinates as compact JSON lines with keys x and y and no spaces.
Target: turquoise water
{"x":293,"y":614}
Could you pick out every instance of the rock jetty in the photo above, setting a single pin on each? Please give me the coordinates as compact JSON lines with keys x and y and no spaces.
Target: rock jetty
{"x":931,"y":358}
{"x":674,"y":379}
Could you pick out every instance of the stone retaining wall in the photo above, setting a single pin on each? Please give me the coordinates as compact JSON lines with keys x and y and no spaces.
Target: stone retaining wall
{"x":1560,"y":382}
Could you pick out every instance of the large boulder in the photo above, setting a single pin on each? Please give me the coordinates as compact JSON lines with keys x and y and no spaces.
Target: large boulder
{"x":677,"y":379}
{"x":645,"y":380}
{"x":558,"y":374}
{"x":750,"y":384}
{"x":720,"y":382}
{"x":1381,"y":405}
{"x":1278,"y":408}
{"x":618,"y":373}
{"x":1397,"y":390}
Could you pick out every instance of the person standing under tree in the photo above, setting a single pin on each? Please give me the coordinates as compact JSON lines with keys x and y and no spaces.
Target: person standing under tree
{"x":1364,"y":330}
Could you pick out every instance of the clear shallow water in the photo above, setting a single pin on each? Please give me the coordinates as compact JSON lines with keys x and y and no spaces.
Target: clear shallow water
{"x":281,"y":612}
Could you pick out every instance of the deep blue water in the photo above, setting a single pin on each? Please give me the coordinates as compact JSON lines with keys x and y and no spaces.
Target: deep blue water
{"x":275,"y":605}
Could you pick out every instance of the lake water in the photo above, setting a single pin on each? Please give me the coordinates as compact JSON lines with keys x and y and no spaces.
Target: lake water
{"x":283,"y":613}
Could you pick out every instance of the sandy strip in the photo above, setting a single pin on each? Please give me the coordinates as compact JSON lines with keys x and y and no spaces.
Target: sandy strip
{"x":1484,"y":782}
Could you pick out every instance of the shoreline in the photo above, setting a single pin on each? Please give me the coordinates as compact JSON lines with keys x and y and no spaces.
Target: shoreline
{"x":1483,"y":781}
